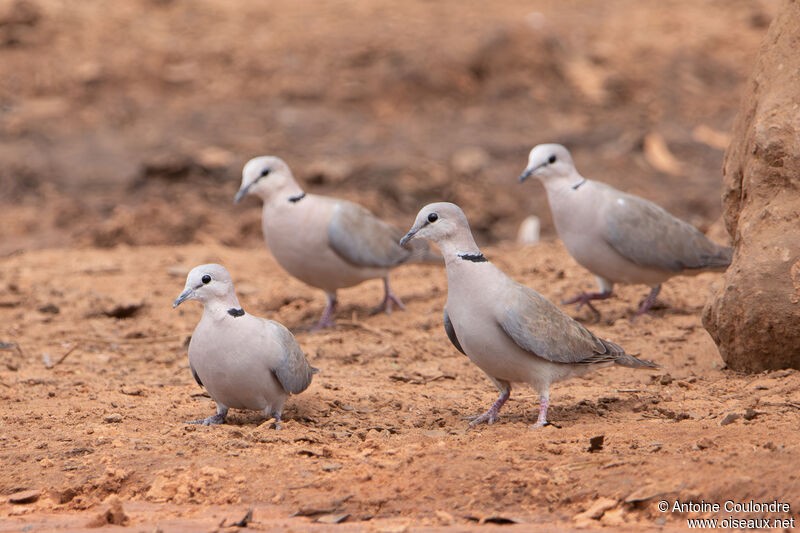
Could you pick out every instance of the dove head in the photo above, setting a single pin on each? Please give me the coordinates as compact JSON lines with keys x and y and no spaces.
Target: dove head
{"x":548,"y":161}
{"x":265,"y":176}
{"x":209,"y":284}
{"x":444,"y":224}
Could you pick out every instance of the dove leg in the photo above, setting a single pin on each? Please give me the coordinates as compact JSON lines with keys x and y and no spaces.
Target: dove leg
{"x":649,"y":301}
{"x":269,"y":413}
{"x":544,"y":403}
{"x":389,"y":299}
{"x":213,"y":420}
{"x":605,"y":286}
{"x":586,"y":298}
{"x":326,"y":321}
{"x":490,"y":416}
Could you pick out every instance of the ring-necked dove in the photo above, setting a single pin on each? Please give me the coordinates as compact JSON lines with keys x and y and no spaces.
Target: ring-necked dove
{"x":325,"y":242}
{"x":618,"y":237}
{"x":513,"y":333}
{"x":244,"y":362}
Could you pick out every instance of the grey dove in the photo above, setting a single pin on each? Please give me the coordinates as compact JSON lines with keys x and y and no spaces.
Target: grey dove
{"x":244,"y":362}
{"x":618,"y":237}
{"x":513,"y":333}
{"x":325,"y":242}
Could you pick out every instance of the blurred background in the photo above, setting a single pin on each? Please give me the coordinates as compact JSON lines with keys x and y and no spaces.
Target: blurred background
{"x":129,"y":122}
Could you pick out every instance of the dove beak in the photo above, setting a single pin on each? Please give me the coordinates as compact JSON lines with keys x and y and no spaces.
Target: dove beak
{"x":410,"y":235}
{"x":242,"y":193}
{"x":185,"y":295}
{"x":527,"y":174}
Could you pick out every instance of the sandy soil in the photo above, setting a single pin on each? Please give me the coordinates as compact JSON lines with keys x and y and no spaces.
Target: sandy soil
{"x":122,"y":135}
{"x":378,"y":436}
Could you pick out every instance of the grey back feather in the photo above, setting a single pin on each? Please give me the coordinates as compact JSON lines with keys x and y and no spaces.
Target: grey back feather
{"x":293,"y":371}
{"x":536,"y":325}
{"x":649,"y":236}
{"x":363,"y":239}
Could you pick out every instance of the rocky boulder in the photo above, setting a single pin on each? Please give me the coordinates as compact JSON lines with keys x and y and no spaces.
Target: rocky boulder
{"x":754,"y":315}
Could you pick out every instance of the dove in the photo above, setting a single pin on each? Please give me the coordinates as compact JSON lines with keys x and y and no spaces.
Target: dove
{"x":618,"y":237}
{"x":325,"y":242}
{"x":511,"y":332}
{"x":243,"y":361}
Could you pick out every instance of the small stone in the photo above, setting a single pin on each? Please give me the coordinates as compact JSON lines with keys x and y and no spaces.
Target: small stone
{"x":332,"y":518}
{"x":730,"y":418}
{"x":751,"y":413}
{"x":666,"y":379}
{"x":596,"y":443}
{"x":113,"y":418}
{"x":50,"y":309}
{"x":331,"y":467}
{"x":123,"y":309}
{"x":596,"y":510}
{"x":25,"y":496}
{"x":704,"y":443}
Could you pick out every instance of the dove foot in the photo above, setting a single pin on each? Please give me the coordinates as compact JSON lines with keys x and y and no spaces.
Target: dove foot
{"x":275,"y":416}
{"x":389,"y":300}
{"x":490,"y":416}
{"x":326,"y":321}
{"x":649,"y":301}
{"x":214,"y":420}
{"x":585,"y":298}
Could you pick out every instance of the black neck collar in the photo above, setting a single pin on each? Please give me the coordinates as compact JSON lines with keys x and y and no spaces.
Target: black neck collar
{"x":236,"y":312}
{"x":575,"y":187}
{"x":295,"y":199}
{"x":475,"y":258}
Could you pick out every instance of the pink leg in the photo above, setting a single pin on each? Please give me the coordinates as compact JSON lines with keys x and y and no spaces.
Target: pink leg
{"x":490,"y":416}
{"x":389,"y":299}
{"x":586,"y":298}
{"x":649,"y":301}
{"x":544,"y":403}
{"x":327,"y":316}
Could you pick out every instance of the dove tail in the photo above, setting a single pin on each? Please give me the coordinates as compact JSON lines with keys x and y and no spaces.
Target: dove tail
{"x":717,"y":259}
{"x":634,"y":362}
{"x":722,"y":259}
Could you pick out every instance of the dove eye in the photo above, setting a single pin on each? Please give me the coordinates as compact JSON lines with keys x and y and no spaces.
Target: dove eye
{"x":552,"y":159}
{"x":206,"y":279}
{"x":264,"y":173}
{"x":433,"y":217}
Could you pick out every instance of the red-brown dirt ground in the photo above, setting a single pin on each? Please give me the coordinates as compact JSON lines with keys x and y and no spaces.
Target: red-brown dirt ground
{"x":123,"y":131}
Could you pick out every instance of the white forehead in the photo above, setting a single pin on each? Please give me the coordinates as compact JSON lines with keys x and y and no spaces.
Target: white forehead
{"x":217,"y":272}
{"x":542,"y":152}
{"x":256,"y":164}
{"x":441,"y":208}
